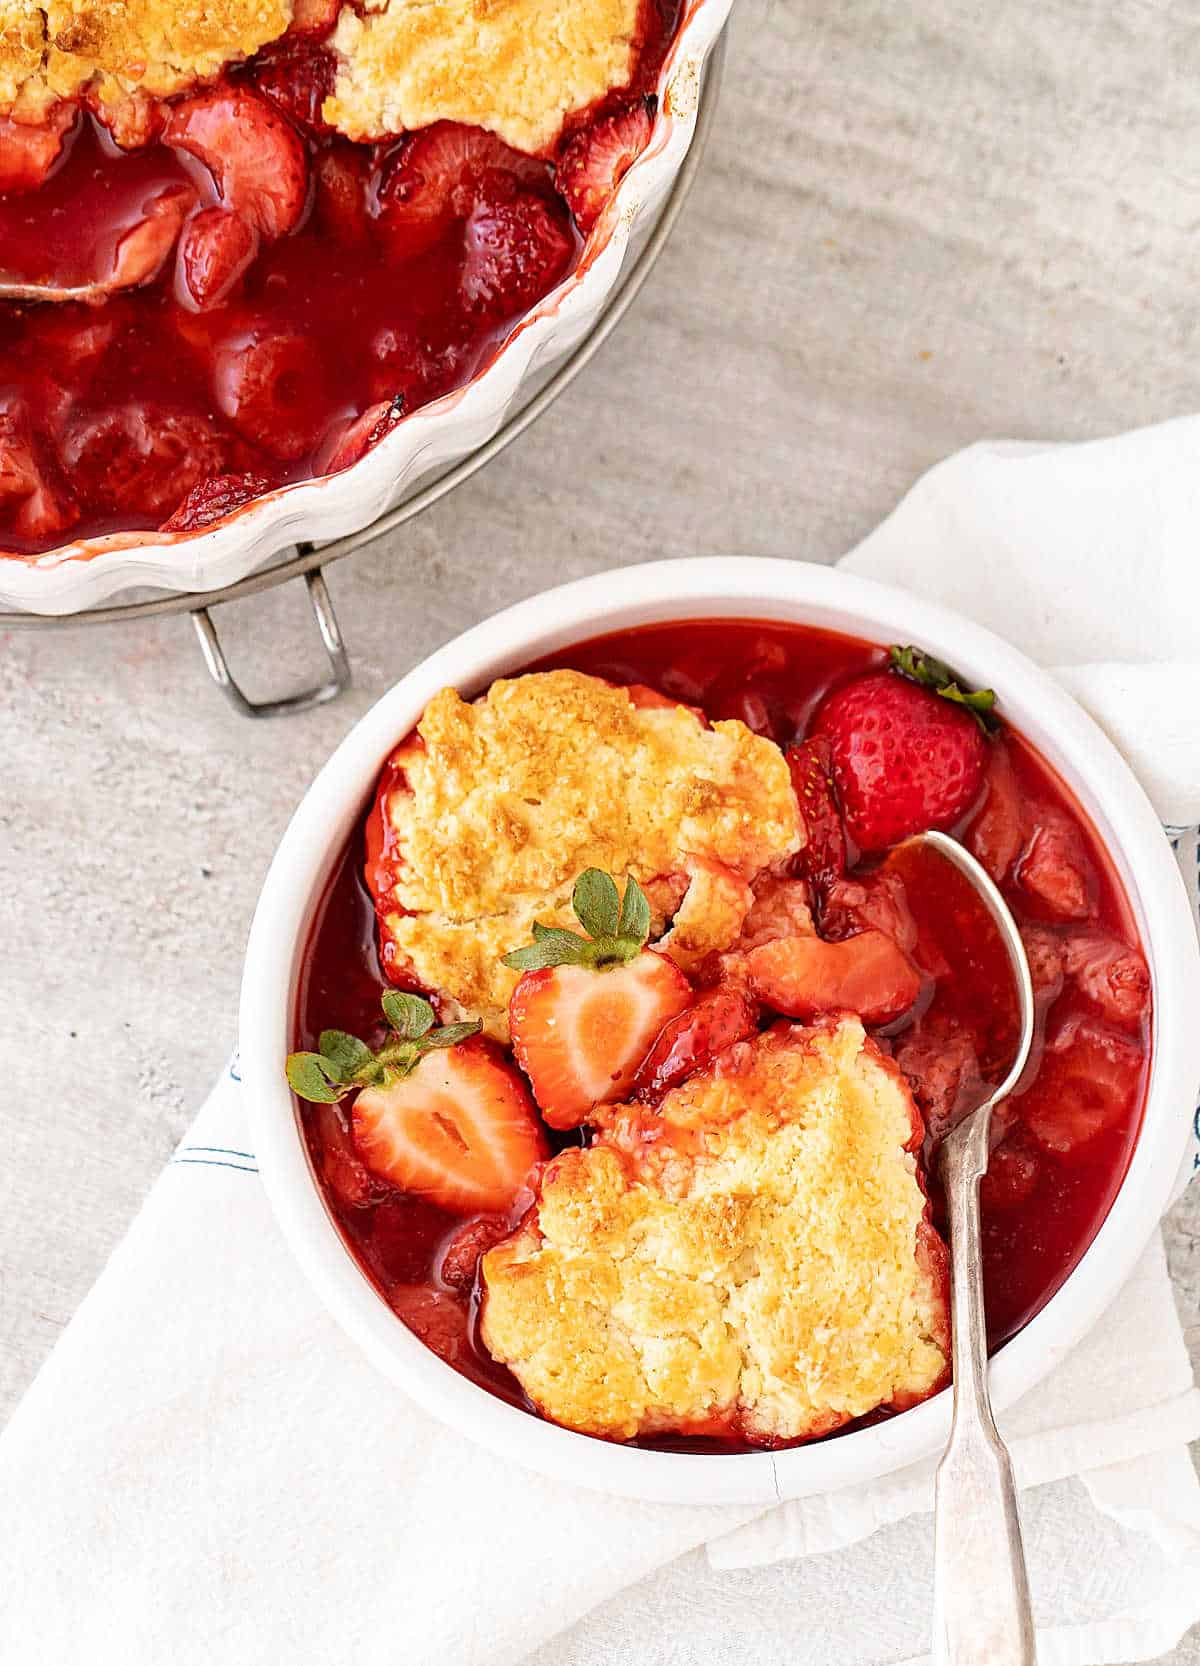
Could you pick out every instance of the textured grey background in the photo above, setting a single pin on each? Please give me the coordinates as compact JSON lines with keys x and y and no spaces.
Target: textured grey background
{"x":915,"y":227}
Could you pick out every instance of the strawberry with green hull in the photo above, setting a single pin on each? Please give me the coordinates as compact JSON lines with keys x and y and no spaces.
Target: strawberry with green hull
{"x":589,"y":1008}
{"x":438,"y":1112}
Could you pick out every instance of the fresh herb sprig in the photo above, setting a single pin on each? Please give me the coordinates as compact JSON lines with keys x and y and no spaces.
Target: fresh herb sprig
{"x":617,"y":928}
{"x":920,"y":667}
{"x":344,"y":1062}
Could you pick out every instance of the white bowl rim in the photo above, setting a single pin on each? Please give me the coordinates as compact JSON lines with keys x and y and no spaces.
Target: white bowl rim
{"x":731,"y":587}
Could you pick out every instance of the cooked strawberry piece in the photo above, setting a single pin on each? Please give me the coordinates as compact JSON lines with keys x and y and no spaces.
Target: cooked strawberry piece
{"x":1054,"y":870}
{"x":342,"y":173}
{"x":271,"y":385}
{"x":139,"y":459}
{"x":436,"y":1316}
{"x":1105,"y":970}
{"x":995,"y":835}
{"x":356,"y":437}
{"x":580,"y":1034}
{"x":29,"y":150}
{"x":781,"y":909}
{"x":314,"y":17}
{"x":434,"y":178}
{"x":297,"y":74}
{"x":460,"y":1259}
{"x":459,"y":1129}
{"x":215,"y":498}
{"x":342,"y":1169}
{"x":823,"y":859}
{"x":805,"y":976}
{"x":1012,"y":1173}
{"x":596,"y":158}
{"x":516,"y":248}
{"x":876,"y":899}
{"x":133,"y":121}
{"x":693,"y":1040}
{"x":215,"y":250}
{"x":903,"y":758}
{"x":1108,"y":972}
{"x":252,"y":151}
{"x":1043,"y":951}
{"x":45,"y":508}
{"x":1088,"y":1081}
{"x":938,"y":1057}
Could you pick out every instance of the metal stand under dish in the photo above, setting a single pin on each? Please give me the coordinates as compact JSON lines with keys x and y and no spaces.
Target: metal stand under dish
{"x":308,"y":560}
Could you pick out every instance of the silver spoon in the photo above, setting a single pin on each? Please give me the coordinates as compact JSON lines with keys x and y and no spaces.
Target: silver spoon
{"x":981,"y":1610}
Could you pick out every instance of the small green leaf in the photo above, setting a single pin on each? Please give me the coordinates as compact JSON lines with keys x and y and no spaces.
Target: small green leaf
{"x":409,"y":1016}
{"x":345,"y":1055}
{"x":550,"y":947}
{"x":920,"y":667}
{"x":634,"y":922}
{"x":308,"y":1074}
{"x":449,"y":1035}
{"x":596,"y":903}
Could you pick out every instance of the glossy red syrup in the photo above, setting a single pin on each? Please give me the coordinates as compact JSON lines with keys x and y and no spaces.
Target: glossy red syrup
{"x":125,"y":407}
{"x":1041,"y":1209}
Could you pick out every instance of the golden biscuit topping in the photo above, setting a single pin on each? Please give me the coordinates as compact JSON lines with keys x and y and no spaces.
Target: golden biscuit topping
{"x":516,"y":67}
{"x":506,"y":800}
{"x":754,"y":1256}
{"x":115,"y":48}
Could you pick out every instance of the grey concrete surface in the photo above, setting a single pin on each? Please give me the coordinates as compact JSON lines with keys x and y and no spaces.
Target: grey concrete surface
{"x":915,"y":227}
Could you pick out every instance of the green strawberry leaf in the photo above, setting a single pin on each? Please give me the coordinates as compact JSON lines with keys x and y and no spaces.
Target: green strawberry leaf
{"x":922,"y":668}
{"x":596,"y":903}
{"x":344,"y":1055}
{"x":616,"y":931}
{"x":410,"y":1016}
{"x":307,"y":1074}
{"x":345,"y":1062}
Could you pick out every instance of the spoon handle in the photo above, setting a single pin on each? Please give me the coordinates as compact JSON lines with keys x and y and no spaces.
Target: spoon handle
{"x":981,"y":1612}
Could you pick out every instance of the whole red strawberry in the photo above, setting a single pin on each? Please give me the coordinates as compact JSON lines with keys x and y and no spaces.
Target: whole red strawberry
{"x":908,"y":749}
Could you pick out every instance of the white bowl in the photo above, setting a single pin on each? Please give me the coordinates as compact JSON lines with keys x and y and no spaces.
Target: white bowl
{"x":733,"y":588}
{"x":84,"y":573}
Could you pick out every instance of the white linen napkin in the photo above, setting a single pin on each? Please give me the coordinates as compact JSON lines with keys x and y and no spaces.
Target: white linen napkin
{"x":206,"y":1471}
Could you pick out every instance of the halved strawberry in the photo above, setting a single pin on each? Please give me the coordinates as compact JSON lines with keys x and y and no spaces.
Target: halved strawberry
{"x":588,"y":1009}
{"x":516,"y":247}
{"x":434,"y":177}
{"x":460,"y":1258}
{"x":215,"y":250}
{"x":908,"y":751}
{"x":215,"y":498}
{"x":439,"y":1115}
{"x":28,"y":150}
{"x":877,"y":900}
{"x":459,"y":1129}
{"x":823,"y":859}
{"x":596,"y":158}
{"x":1108,"y":972}
{"x":691,"y":1041}
{"x":804,"y":976}
{"x":1088,"y":1081}
{"x":252,"y":151}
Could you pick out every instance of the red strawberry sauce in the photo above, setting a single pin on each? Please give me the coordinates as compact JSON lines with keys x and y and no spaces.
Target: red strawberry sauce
{"x":1042,"y":1203}
{"x":119,"y":411}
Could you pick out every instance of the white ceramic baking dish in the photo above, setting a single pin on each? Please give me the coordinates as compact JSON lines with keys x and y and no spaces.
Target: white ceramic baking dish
{"x":735,"y":588}
{"x":432,"y":439}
